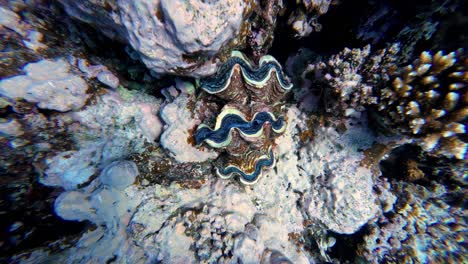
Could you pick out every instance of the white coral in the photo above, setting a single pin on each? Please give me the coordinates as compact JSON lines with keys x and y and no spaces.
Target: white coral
{"x":50,"y":84}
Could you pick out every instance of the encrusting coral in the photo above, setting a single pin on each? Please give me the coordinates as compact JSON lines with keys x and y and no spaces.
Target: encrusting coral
{"x":303,"y":19}
{"x":423,"y":229}
{"x":252,"y":110}
{"x":175,"y":37}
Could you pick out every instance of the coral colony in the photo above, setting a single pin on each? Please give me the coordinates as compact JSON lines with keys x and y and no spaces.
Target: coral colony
{"x":234,"y":131}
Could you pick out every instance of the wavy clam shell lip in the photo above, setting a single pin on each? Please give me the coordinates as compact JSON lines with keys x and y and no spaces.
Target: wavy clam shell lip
{"x":264,"y":161}
{"x":231,"y":119}
{"x":255,"y":76}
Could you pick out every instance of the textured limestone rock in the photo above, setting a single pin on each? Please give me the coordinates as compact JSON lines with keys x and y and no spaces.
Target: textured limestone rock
{"x":177,"y":131}
{"x":175,"y":37}
{"x":118,"y":125}
{"x":48,"y":83}
{"x":341,"y":196}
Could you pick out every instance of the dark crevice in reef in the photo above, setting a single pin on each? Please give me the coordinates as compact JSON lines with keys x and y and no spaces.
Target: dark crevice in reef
{"x":65,"y":35}
{"x":345,"y":248}
{"x":343,"y":23}
{"x":392,"y":167}
{"x":119,"y":58}
{"x":435,"y":169}
{"x":26,"y":207}
{"x":339,"y":27}
{"x":28,"y":220}
{"x":439,"y":170}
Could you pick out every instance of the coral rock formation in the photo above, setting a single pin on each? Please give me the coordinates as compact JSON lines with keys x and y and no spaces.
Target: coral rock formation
{"x":49,"y":84}
{"x":175,"y":37}
{"x":303,"y":19}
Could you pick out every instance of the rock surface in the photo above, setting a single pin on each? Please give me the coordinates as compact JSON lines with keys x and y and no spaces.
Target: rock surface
{"x":171,"y":37}
{"x":50,"y":84}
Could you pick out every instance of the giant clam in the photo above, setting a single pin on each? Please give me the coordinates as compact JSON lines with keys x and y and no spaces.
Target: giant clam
{"x":252,"y":110}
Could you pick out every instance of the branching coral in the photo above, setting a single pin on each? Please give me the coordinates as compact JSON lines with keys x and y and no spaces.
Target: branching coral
{"x":429,"y":99}
{"x":253,"y":109}
{"x":341,"y":76}
{"x":426,"y":100}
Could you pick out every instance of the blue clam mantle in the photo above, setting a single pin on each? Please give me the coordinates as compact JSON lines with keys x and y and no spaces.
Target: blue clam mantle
{"x":231,"y":119}
{"x":251,"y":178}
{"x":257,"y":77}
{"x":241,"y":132}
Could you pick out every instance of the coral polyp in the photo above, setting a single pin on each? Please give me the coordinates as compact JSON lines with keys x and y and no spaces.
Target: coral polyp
{"x":242,"y":131}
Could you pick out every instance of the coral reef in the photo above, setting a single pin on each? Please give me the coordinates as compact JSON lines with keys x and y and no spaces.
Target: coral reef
{"x":112,"y":152}
{"x":303,"y":20}
{"x":344,"y":91}
{"x":342,"y":186}
{"x":102,"y":133}
{"x":424,"y":100}
{"x":423,"y":228}
{"x":175,"y":137}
